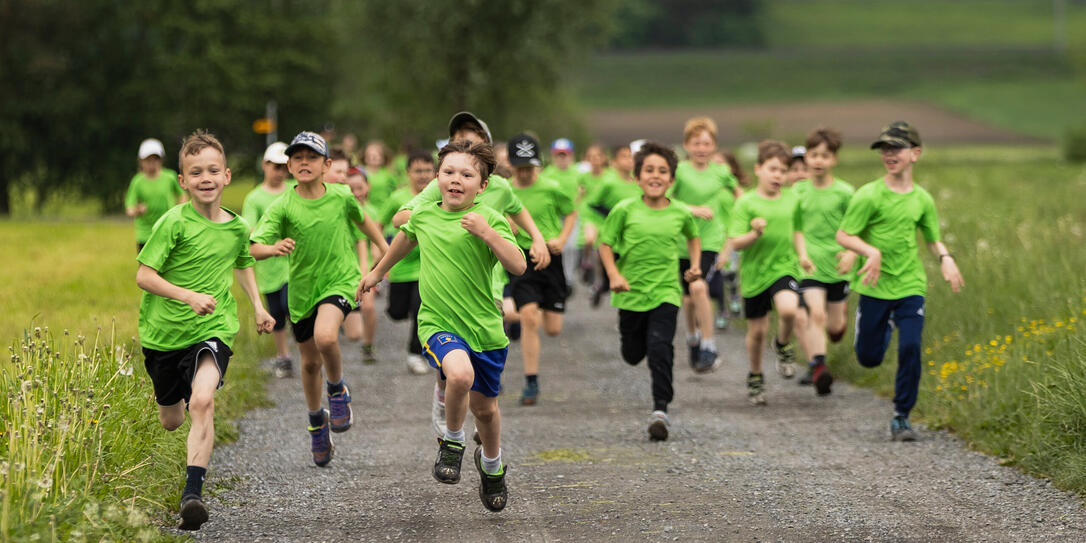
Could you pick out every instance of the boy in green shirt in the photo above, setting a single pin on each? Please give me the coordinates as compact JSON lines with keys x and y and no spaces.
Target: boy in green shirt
{"x":460,"y":241}
{"x":152,"y":191}
{"x":271,"y":274}
{"x":880,"y":225}
{"x":766,"y":227}
{"x":361,"y":323}
{"x":539,"y":294}
{"x":645,"y":285}
{"x":188,"y":317}
{"x":823,"y":200}
{"x":618,"y":185}
{"x":312,"y":224}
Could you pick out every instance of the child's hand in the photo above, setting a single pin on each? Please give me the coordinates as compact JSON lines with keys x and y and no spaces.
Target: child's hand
{"x":702,"y":212}
{"x":141,"y":208}
{"x":201,"y":304}
{"x":475,"y":224}
{"x":845,"y":260}
{"x":540,"y":254}
{"x":283,"y":247}
{"x":758,"y":224}
{"x":951,"y":274}
{"x":554,"y":246}
{"x":264,"y":322}
{"x":869,"y":272}
{"x":721,"y":260}
{"x":693,"y":273}
{"x":619,"y":284}
{"x":807,"y":265}
{"x":369,"y":282}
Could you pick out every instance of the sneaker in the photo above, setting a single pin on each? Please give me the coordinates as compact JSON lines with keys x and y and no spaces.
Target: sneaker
{"x":756,"y":389}
{"x":721,"y":321}
{"x":658,"y":426}
{"x":437,"y":414}
{"x":283,"y":368}
{"x":321,"y":438}
{"x":369,"y":354}
{"x":695,"y":353}
{"x":193,"y":512}
{"x":707,"y":361}
{"x":736,"y":308}
{"x":808,"y":377}
{"x":786,"y":360}
{"x":822,"y":379}
{"x":340,"y":405}
{"x":447,"y":465}
{"x":492,"y":489}
{"x":901,"y":430}
{"x":530,"y":394}
{"x":417,"y":365}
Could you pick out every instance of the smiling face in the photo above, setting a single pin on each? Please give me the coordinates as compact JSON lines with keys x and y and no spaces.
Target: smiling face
{"x":700,"y":146}
{"x":308,"y":166}
{"x":204,"y":176}
{"x":459,"y":180}
{"x":771,"y":175}
{"x":655,"y":177}
{"x":898,"y":159}
{"x":820,"y":160}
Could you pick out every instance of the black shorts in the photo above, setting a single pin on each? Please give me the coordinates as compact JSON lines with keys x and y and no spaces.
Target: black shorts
{"x":139,"y":246}
{"x":403,"y":300}
{"x":546,"y":287}
{"x":172,"y":372}
{"x":835,"y":292}
{"x":708,"y":260}
{"x":760,"y":304}
{"x":278,"y":307}
{"x":303,"y":329}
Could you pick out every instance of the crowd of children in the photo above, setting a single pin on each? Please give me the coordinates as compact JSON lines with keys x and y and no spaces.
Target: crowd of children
{"x":474,"y":259}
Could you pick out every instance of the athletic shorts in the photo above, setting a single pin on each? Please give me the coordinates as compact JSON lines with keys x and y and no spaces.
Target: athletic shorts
{"x":708,"y":260}
{"x":172,"y":372}
{"x":835,"y":292}
{"x":278,"y":307}
{"x":139,"y":246}
{"x":403,"y":299}
{"x":759,"y":305}
{"x":488,"y":365}
{"x":546,"y":287}
{"x":303,"y":329}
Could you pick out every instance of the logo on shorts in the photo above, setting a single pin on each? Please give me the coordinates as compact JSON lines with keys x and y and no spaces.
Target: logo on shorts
{"x":793,"y":285}
{"x":559,"y":305}
{"x":920,"y":311}
{"x":212,"y":345}
{"x":445,"y":338}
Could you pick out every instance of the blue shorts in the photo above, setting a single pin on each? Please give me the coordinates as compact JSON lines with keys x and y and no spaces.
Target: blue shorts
{"x":488,"y":365}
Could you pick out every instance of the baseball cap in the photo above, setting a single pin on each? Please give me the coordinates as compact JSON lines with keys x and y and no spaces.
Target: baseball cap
{"x":466,"y":116}
{"x":358,"y":170}
{"x":524,"y":151}
{"x":562,"y":145}
{"x":799,"y":151}
{"x":151,"y":147}
{"x":309,"y":140}
{"x":897,"y":134}
{"x":635,"y":145}
{"x":275,"y":153}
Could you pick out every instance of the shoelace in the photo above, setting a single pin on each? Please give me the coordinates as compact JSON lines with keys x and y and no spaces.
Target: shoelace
{"x":450,"y":454}
{"x":338,"y":403}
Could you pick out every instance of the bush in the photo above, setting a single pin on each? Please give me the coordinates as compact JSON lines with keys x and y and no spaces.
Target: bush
{"x":1074,"y":145}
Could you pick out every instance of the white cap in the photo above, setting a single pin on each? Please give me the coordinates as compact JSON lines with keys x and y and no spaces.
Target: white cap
{"x":635,"y":145}
{"x":276,"y":153}
{"x":151,"y":146}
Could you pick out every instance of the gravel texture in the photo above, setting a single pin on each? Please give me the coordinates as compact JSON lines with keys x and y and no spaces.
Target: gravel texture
{"x":581,"y":466}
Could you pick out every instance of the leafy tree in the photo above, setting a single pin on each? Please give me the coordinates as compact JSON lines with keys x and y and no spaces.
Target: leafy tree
{"x":688,"y":23}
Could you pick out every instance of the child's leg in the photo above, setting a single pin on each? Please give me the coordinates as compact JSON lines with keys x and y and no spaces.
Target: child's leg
{"x":369,"y":318}
{"x":530,"y":319}
{"x":757,"y":329}
{"x":872,"y":330}
{"x":633,"y":327}
{"x":815,"y":298}
{"x":660,"y":334}
{"x":787,"y":304}
{"x":352,"y":326}
{"x":690,"y":316}
{"x":459,"y":376}
{"x":488,"y":421}
{"x":909,"y":318}
{"x":703,"y":308}
{"x":836,"y":319}
{"x":552,"y":323}
{"x":282,"y":349}
{"x":414,"y":346}
{"x":326,"y":339}
{"x":202,"y":411}
{"x":311,"y":374}
{"x":172,"y":416}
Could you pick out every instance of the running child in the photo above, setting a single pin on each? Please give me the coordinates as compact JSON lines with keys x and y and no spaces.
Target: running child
{"x":766,"y":227}
{"x":152,"y":191}
{"x":272,"y":273}
{"x":619,"y":185}
{"x":312,"y":224}
{"x":188,"y":317}
{"x":361,"y":324}
{"x":460,"y":241}
{"x":880,"y":225}
{"x":644,"y":282}
{"x":377,"y":158}
{"x":563,"y":171}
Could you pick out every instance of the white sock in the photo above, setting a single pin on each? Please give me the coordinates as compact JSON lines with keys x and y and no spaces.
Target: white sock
{"x":457,"y":436}
{"x":708,"y":344}
{"x":492,"y":466}
{"x":693,"y":339}
{"x":439,"y":394}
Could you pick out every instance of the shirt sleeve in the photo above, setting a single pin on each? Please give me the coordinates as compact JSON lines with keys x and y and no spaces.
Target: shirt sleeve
{"x":739,"y":222}
{"x":501,"y":226}
{"x":243,"y":259}
{"x":563,"y":202}
{"x":355,"y":213}
{"x":131,"y":197}
{"x":612,"y":226}
{"x":859,"y":212}
{"x":270,"y":227}
{"x":429,"y":194}
{"x":929,"y":221}
{"x":161,"y":243}
{"x":690,"y":226}
{"x":409,"y":227}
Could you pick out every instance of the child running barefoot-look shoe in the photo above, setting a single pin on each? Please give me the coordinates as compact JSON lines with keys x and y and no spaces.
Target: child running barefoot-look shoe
{"x":460,"y":241}
{"x":767,"y":230}
{"x":188,"y":317}
{"x":644,"y":281}
{"x":312,"y":224}
{"x":880,"y":225}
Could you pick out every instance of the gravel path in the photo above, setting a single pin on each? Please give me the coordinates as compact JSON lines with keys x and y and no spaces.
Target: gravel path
{"x":582,"y":467}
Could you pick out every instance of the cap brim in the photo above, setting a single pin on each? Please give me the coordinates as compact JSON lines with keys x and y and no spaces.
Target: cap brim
{"x":291,"y":149}
{"x":566,"y":151}
{"x":459,"y":119}
{"x":524,"y":162}
{"x":891,"y":142}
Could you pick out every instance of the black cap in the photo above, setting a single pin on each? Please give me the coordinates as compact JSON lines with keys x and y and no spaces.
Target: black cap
{"x":524,"y":151}
{"x":466,"y":116}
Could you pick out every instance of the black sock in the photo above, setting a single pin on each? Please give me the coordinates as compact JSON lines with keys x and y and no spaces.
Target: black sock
{"x":659,"y":406}
{"x":778,"y":344}
{"x":316,"y":418}
{"x":818,"y":359}
{"x":335,"y":388}
{"x":194,"y":480}
{"x":532,"y":379}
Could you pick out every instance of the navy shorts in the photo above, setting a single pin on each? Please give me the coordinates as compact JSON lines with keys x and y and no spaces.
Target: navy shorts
{"x":303,"y":329}
{"x":172,"y":372}
{"x":759,"y":305}
{"x":488,"y":365}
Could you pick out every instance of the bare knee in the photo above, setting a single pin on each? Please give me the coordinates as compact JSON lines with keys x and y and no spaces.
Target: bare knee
{"x":818,"y":318}
{"x":698,"y":289}
{"x":326,"y":342}
{"x":461,"y":380}
{"x":201,"y":404}
{"x":171,"y":422}
{"x":484,"y":413}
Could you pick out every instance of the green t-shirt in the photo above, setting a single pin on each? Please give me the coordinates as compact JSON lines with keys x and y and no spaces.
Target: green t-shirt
{"x":407,"y":269}
{"x":271,"y":273}
{"x":568,"y":179}
{"x":609,"y":193}
{"x":649,"y":256}
{"x":548,"y":204}
{"x":383,"y":182}
{"x":158,"y":194}
{"x":773,"y":255}
{"x":823,"y":209}
{"x":888,"y":220}
{"x":695,"y":187}
{"x":454,"y":276}
{"x":192,"y":252}
{"x":324,"y":262}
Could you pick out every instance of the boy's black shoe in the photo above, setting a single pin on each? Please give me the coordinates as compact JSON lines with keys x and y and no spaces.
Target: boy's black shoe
{"x":491,"y":487}
{"x":447,"y":466}
{"x":193,"y":512}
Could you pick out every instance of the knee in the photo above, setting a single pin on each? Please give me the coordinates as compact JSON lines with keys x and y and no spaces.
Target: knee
{"x":787,"y":314}
{"x":756,"y":333}
{"x":818,"y":317}
{"x":869,"y":358}
{"x":486,"y":412}
{"x":553,"y":329}
{"x":351,"y":333}
{"x":836,"y":335}
{"x":201,"y":404}
{"x":326,"y":341}
{"x":311,"y":365}
{"x":529,"y":319}
{"x":171,"y":421}
{"x":698,"y":289}
{"x":660,"y":351}
{"x":632,"y":355}
{"x":461,"y":380}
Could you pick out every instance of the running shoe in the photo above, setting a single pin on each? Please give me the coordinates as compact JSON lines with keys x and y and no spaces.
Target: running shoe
{"x":417,"y":365}
{"x":284,"y":368}
{"x":707,"y":361}
{"x":786,"y":360}
{"x":736,"y":308}
{"x":340,"y":405}
{"x":530,"y":394}
{"x":492,"y":489}
{"x":447,"y":466}
{"x":437,"y":413}
{"x":756,"y":389}
{"x":658,"y":426}
{"x":901,"y":430}
{"x":722,"y":320}
{"x":193,"y":512}
{"x":321,"y":438}
{"x":369,"y":354}
{"x":823,"y":380}
{"x":808,"y":377}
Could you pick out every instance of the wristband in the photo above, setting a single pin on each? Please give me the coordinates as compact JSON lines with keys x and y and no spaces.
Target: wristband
{"x":945,"y":255}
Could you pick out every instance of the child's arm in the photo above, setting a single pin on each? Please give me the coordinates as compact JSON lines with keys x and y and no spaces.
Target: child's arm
{"x":607,"y":257}
{"x":757,"y":227}
{"x":147,"y":278}
{"x":948,"y":266}
{"x":362,"y":247}
{"x":724,"y":255}
{"x":261,"y":251}
{"x":373,"y":232}
{"x":869,"y":272}
{"x":511,"y":257}
{"x":400,"y":247}
{"x":845,"y":260}
{"x":693,"y":273}
{"x":800,"y":243}
{"x":247,"y":279}
{"x":538,"y":251}
{"x":555,"y":245}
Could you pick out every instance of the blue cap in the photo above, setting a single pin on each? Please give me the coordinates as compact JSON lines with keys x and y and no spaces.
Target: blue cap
{"x":309,"y":140}
{"x":562,"y":145}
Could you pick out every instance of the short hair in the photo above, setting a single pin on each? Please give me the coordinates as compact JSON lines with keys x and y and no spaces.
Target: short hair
{"x":698,"y":124}
{"x":770,"y":149}
{"x":419,"y":155}
{"x":386,"y":154}
{"x":339,"y":154}
{"x":481,"y":153}
{"x":653,"y":148}
{"x":820,"y":135}
{"x":620,"y":147}
{"x":196,"y":142}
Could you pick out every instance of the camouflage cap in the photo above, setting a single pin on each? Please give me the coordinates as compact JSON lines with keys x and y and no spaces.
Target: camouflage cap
{"x":897,"y":134}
